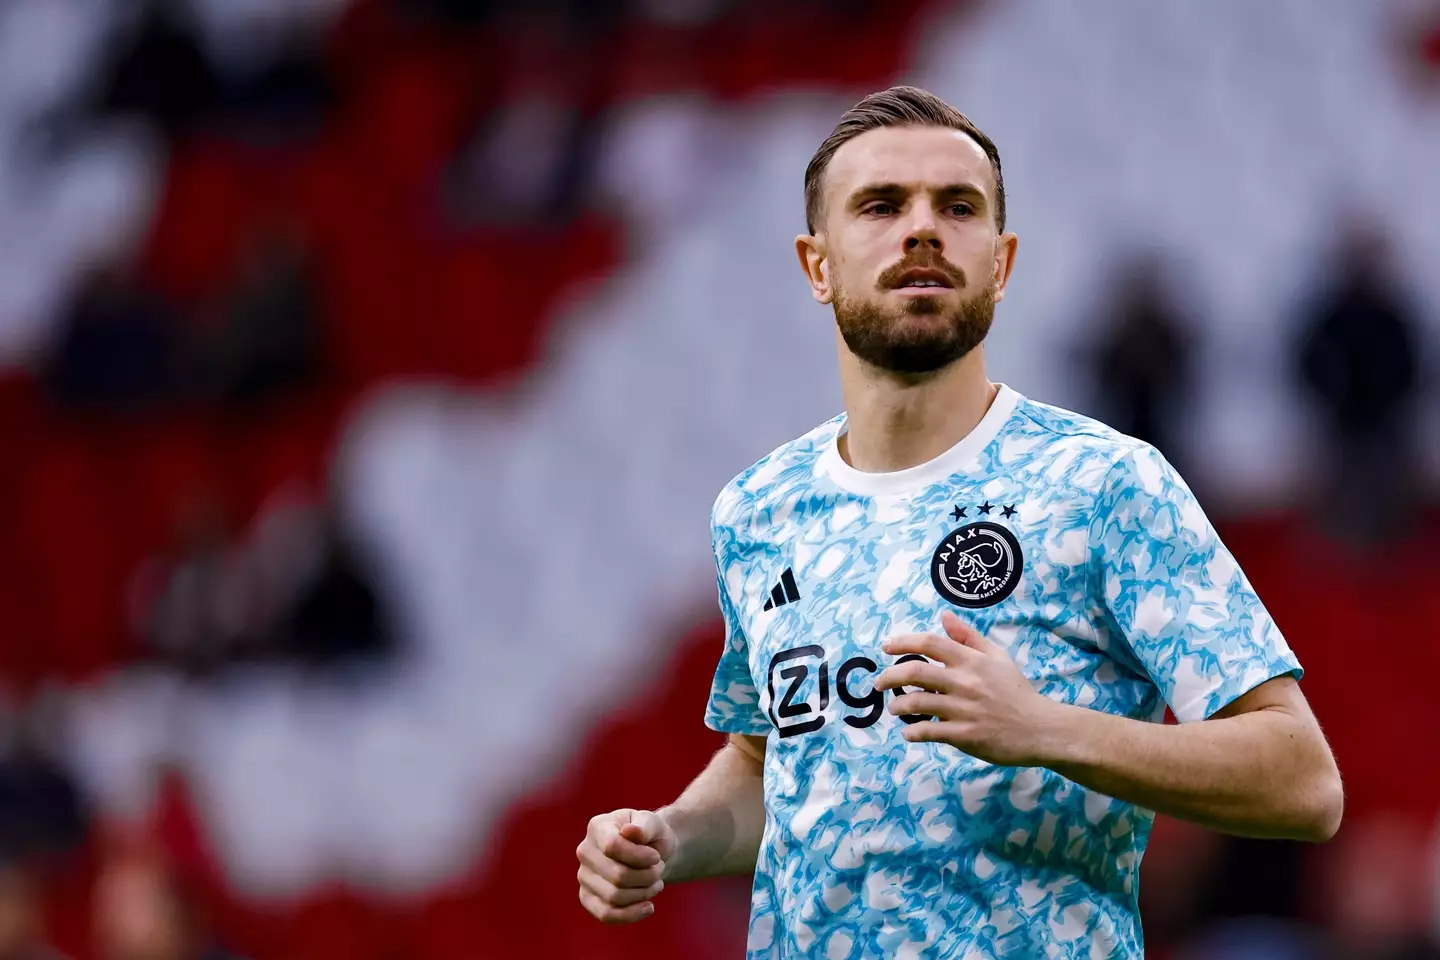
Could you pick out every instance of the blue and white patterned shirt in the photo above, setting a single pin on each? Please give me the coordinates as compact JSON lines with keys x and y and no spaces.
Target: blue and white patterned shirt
{"x":1077,"y":549}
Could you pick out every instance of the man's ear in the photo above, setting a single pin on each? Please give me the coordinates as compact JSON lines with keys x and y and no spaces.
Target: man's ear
{"x":1004,"y":262}
{"x":815,"y":263}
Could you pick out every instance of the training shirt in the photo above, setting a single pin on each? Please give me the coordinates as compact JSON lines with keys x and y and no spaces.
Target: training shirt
{"x":1078,"y":550}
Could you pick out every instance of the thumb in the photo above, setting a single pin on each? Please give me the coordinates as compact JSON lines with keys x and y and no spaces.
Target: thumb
{"x":961,"y":632}
{"x":644,"y":827}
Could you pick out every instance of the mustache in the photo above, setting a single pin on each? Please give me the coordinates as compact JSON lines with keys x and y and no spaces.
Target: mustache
{"x":927,"y":261}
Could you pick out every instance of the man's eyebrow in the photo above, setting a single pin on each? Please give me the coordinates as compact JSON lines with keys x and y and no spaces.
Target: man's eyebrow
{"x":967,"y":190}
{"x":878,"y":191}
{"x":894,"y":191}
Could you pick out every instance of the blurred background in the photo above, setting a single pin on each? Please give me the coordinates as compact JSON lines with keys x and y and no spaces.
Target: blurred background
{"x":368,"y":369}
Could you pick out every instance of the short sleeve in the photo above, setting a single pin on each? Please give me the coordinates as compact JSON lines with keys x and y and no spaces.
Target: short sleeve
{"x":1175,"y":593}
{"x":734,"y":705}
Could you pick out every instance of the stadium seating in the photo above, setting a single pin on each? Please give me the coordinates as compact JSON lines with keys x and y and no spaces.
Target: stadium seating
{"x":488,"y":390}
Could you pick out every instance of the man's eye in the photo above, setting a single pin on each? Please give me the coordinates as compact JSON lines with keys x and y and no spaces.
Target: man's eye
{"x":882,"y":209}
{"x":961,"y":209}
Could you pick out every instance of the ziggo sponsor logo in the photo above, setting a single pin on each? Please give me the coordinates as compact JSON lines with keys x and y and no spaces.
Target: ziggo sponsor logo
{"x":801,"y":706}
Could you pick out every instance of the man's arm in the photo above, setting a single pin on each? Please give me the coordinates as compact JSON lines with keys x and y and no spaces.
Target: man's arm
{"x":713,"y":828}
{"x":720,"y":817}
{"x":1259,"y":768}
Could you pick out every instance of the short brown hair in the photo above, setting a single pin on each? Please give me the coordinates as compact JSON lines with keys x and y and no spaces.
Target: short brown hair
{"x":901,"y":106}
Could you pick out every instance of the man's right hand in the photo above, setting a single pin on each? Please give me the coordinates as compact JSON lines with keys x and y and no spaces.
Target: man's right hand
{"x":622,"y":860}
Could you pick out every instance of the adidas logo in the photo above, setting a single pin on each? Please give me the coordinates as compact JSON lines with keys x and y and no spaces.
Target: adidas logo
{"x":783,"y":592}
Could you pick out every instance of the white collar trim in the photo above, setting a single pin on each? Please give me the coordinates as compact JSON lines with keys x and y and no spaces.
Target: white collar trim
{"x":958,"y":459}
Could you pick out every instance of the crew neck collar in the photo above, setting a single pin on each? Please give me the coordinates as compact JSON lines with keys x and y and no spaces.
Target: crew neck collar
{"x":958,"y":459}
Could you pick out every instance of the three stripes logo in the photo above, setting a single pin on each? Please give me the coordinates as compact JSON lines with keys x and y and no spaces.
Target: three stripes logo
{"x":783,"y":592}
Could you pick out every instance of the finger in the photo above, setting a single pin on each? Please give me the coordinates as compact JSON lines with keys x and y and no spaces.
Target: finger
{"x":923,"y":704}
{"x":962,"y":633}
{"x":602,"y":829}
{"x":645,"y":827}
{"x":618,"y":873}
{"x":915,"y":673}
{"x":931,"y":645}
{"x":607,"y":914}
{"x":609,"y":841}
{"x":932,"y":731}
{"x":615,"y":896}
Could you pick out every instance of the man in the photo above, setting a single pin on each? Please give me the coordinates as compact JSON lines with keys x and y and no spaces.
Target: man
{"x":955,"y":617}
{"x":1358,"y":357}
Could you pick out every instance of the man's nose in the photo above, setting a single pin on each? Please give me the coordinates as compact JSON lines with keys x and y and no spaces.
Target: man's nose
{"x":923,"y":234}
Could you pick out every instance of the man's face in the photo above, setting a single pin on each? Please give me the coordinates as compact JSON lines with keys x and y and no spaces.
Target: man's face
{"x":912,"y":260}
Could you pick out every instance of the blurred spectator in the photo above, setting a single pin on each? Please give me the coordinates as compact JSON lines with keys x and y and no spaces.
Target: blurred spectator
{"x":266,"y":334}
{"x":1259,"y":877}
{"x":327,"y":611}
{"x":159,"y":70}
{"x":40,"y":808}
{"x":526,"y":157}
{"x":183,"y":64}
{"x":41,"y":815}
{"x":1142,"y":361}
{"x":116,"y":348}
{"x":274,"y":85}
{"x":336,"y":617}
{"x":1377,"y":891}
{"x":521,"y":165}
{"x":142,"y":912}
{"x":1373,"y":897}
{"x":292,"y":587}
{"x":21,"y":927}
{"x":123,"y":347}
{"x":200,"y":605}
{"x":1358,"y":359}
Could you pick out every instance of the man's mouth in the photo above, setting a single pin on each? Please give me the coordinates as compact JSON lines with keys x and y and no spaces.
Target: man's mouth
{"x":924,"y":278}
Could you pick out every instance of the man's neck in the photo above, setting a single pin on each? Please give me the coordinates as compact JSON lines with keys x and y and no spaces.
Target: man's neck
{"x":895,"y":423}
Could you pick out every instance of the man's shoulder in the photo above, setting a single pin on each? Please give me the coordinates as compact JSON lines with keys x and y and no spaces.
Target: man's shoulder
{"x":779,"y":472}
{"x":1070,"y":447}
{"x":1086,"y":455}
{"x":1058,"y":423}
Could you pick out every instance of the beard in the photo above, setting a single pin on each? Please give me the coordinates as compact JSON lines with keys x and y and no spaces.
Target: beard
{"x":891,"y":340}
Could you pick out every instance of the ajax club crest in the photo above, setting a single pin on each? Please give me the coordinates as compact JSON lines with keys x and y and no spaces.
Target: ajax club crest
{"x":977,"y":565}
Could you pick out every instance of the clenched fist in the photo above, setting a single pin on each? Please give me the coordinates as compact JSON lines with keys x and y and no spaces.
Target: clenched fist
{"x":622,"y":860}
